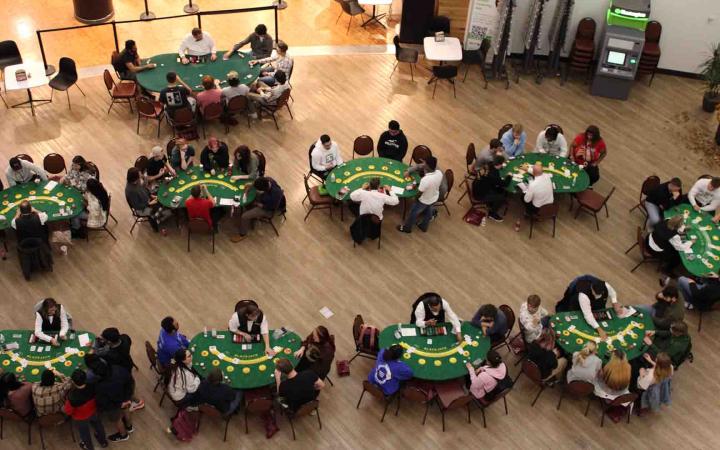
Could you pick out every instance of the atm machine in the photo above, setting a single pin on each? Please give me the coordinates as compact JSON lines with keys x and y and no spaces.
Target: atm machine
{"x":621,"y":48}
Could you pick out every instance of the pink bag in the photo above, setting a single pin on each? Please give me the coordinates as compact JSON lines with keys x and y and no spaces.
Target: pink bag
{"x":185,"y":425}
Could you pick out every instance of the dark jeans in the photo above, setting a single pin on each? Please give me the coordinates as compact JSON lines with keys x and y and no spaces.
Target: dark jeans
{"x":83,"y":427}
{"x":593,"y":172}
{"x":216,"y":214}
{"x":494,"y":200}
{"x":531,"y":209}
{"x":417,"y":209}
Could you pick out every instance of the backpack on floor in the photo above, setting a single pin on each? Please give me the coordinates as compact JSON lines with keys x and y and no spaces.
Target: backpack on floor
{"x":185,"y":425}
{"x":475,"y":216}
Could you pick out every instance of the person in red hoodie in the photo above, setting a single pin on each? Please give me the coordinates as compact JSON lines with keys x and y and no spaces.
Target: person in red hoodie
{"x":80,"y":406}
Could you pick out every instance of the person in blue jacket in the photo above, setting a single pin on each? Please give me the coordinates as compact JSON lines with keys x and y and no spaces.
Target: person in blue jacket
{"x":514,"y":140}
{"x":389,"y":371}
{"x":170,"y":340}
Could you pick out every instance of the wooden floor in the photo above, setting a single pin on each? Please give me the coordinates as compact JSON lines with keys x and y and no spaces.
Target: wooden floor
{"x":135,"y":282}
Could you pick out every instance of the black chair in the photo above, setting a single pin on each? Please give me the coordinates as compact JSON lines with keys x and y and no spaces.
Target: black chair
{"x":438,"y":23}
{"x":407,"y":55}
{"x":34,"y":254}
{"x":478,"y":57}
{"x":9,"y":55}
{"x":444,"y":73}
{"x":352,"y":8}
{"x":279,"y":103}
{"x":65,"y":79}
{"x":104,"y":225}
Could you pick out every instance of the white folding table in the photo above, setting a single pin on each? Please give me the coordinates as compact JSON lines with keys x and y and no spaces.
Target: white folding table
{"x":448,"y":50}
{"x":35,"y":78}
{"x":375,"y":3}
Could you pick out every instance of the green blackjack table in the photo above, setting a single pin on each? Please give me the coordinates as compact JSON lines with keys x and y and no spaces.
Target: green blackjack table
{"x":437,"y":357}
{"x":30,"y":360}
{"x":567,"y":176}
{"x":244,"y":365}
{"x":174,"y":193}
{"x":58,"y":201}
{"x":154,"y":80}
{"x":705,"y":256}
{"x":353,"y":174}
{"x":626,"y":334}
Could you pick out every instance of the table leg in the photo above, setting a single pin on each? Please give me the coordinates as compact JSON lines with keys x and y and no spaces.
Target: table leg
{"x":30,"y":101}
{"x":375,"y":18}
{"x":404,"y":208}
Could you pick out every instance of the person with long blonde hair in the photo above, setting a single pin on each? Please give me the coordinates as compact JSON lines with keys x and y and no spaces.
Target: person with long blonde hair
{"x":656,"y":382}
{"x":615,"y":377}
{"x":585,"y":364}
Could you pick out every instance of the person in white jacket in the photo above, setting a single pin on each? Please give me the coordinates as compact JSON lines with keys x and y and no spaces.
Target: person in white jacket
{"x":705,"y":196}
{"x":183,"y":381}
{"x":197,"y":43}
{"x":552,"y":142}
{"x":325,"y":156}
{"x":539,"y":191}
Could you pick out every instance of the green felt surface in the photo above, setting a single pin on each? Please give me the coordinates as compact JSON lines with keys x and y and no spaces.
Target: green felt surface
{"x":48,"y":202}
{"x":705,"y":258}
{"x":555,"y":166}
{"x":59,"y":358}
{"x":438,"y":360}
{"x":154,"y":80}
{"x":219,"y":185}
{"x":244,"y":369}
{"x":356,"y":172}
{"x":632,"y":329}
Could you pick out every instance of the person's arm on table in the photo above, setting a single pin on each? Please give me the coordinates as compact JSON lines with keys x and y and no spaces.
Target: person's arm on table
{"x":237,"y":47}
{"x":451,"y":317}
{"x":213,"y":49}
{"x":587,"y":312}
{"x":265,"y":331}
{"x":183,"y":47}
{"x":234,"y":327}
{"x":693,"y":192}
{"x":420,"y":317}
{"x":390,"y":198}
{"x":39,"y":332}
{"x":64,"y":324}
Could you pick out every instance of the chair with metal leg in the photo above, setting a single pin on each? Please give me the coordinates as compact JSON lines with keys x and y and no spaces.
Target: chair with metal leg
{"x":65,"y":79}
{"x":352,"y":8}
{"x":444,"y":73}
{"x":406,"y":55}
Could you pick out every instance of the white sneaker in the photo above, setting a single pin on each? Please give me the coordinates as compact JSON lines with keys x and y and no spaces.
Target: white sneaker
{"x":689,"y":306}
{"x":253,"y":115}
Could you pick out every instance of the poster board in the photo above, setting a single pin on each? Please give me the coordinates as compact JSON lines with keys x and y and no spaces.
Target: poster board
{"x":482,"y":21}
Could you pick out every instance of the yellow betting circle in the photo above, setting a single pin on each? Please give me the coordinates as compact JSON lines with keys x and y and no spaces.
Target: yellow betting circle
{"x":384,"y":167}
{"x":338,"y":180}
{"x":406,"y":356}
{"x":246,"y":370}
{"x":207,"y":175}
{"x":230,"y":369}
{"x":70,"y":200}
{"x":68,"y":363}
{"x":421,"y":362}
{"x":438,"y":354}
{"x":194,"y":177}
{"x":5,"y":202}
{"x":474,"y":343}
{"x":623,"y":343}
{"x":358,"y":169}
{"x":216,"y":362}
{"x":46,"y":192}
{"x":438,"y":363}
{"x":6,"y":362}
{"x":32,"y":192}
{"x":18,"y":195}
{"x":171,"y":189}
{"x":59,"y":195}
{"x":466,"y":353}
{"x":371,"y":167}
{"x":35,"y":371}
{"x":204,"y":353}
{"x":453,"y":360}
{"x":346,"y":173}
{"x":81,"y":353}
{"x":397,"y":172}
{"x":18,"y":369}
{"x":578,"y":341}
{"x":566,"y":333}
{"x":262,"y":367}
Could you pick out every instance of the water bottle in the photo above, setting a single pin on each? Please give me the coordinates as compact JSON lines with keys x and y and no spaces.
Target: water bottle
{"x":332,"y":177}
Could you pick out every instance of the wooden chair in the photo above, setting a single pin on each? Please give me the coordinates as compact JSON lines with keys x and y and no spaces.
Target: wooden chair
{"x":504,"y":129}
{"x":484,"y":403}
{"x":54,"y":163}
{"x":420,"y":153}
{"x":10,"y":415}
{"x":451,"y":395}
{"x":183,"y":121}
{"x":272,"y":109}
{"x":141,"y":163}
{"x":545,"y":212}
{"x":701,"y":313}
{"x":450,"y":177}
{"x":138,"y":219}
{"x":199,"y":225}
{"x":150,"y":110}
{"x":473,"y":200}
{"x":645,"y":253}
{"x":417,"y":392}
{"x":119,"y":93}
{"x":448,"y":73}
{"x":213,"y":111}
{"x":257,"y":401}
{"x":582,"y":52}
{"x":360,"y":348}
{"x":155,"y":365}
{"x":25,"y":157}
{"x":93,"y":169}
{"x":407,"y":55}
{"x":262,"y":162}
{"x":211,"y":411}
{"x":591,"y":202}
{"x":619,"y":401}
{"x":510,"y":318}
{"x":104,"y":225}
{"x":532,"y":371}
{"x":305,"y":410}
{"x":53,"y":420}
{"x":237,"y":105}
{"x":578,"y":389}
{"x":471,"y":175}
{"x":378,"y":394}
{"x":269,"y":220}
{"x":317,"y":201}
{"x":648,"y":185}
{"x":522,"y":353}
{"x":363,"y":146}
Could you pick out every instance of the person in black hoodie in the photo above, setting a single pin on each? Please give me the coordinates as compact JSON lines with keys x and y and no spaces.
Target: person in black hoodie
{"x":114,"y":348}
{"x":661,"y":198}
{"x":214,"y":392}
{"x":113,"y":392}
{"x":80,"y":405}
{"x":392,"y":143}
{"x":489,"y":187}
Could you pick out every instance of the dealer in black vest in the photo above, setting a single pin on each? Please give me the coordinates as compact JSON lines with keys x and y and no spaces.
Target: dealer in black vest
{"x":587,"y":294}
{"x":51,"y":322}
{"x":431,"y":309}
{"x":29,"y":222}
{"x":249,"y":322}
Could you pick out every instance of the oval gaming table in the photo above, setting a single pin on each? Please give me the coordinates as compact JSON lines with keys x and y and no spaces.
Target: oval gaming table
{"x":244,"y":365}
{"x":30,"y":360}
{"x":705,"y":256}
{"x":567,"y":177}
{"x":154,"y":80}
{"x":572,"y":332}
{"x":228,"y":193}
{"x":437,"y":357}
{"x":58,"y":201}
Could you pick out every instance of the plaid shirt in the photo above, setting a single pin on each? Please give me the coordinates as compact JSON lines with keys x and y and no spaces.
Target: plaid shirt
{"x":278,"y":62}
{"x":50,"y":399}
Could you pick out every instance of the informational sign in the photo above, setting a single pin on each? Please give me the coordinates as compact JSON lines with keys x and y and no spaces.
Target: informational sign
{"x":482,"y":22}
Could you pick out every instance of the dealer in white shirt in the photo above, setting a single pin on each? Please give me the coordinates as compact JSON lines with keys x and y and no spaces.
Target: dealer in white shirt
{"x":197,"y":43}
{"x":705,"y":196}
{"x":373,"y":198}
{"x":435,"y":304}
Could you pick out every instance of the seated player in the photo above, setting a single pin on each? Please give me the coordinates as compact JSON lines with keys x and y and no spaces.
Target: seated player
{"x":430,"y":310}
{"x":667,"y":308}
{"x":587,"y":150}
{"x":547,"y":357}
{"x":128,"y":63}
{"x":325,"y":156}
{"x":78,"y":175}
{"x":29,"y":223}
{"x":488,"y":153}
{"x":201,"y":205}
{"x":422,"y":168}
{"x":182,"y":155}
{"x":264,"y":95}
{"x":484,"y":379}
{"x":269,"y":200}
{"x":317,"y":352}
{"x":702,"y":293}
{"x":51,"y":323}
{"x":587,"y":293}
{"x":389,"y":372}
{"x":142,"y":202}
{"x":197,"y":43}
{"x":296,"y":388}
{"x":614,"y":380}
{"x":586,"y":366}
{"x":675,"y":342}
{"x":665,"y":242}
{"x":552,"y":142}
{"x":212,"y":391}
{"x":48,"y":395}
{"x":177,"y":94}
{"x":21,"y":172}
{"x":373,"y":198}
{"x":158,"y":166}
{"x":655,"y":383}
{"x":539,"y":190}
{"x":245,"y":164}
{"x":532,"y":318}
{"x":16,"y":395}
{"x":215,"y":157}
{"x":234,"y":87}
{"x":170,"y":340}
{"x":211,"y":93}
{"x":182,"y":380}
{"x":271,"y":64}
{"x":705,"y":196}
{"x":250,"y":324}
{"x":392,"y":143}
{"x":489,"y":187}
{"x":514,"y":140}
{"x":491,"y":321}
{"x":665,"y":196}
{"x":261,"y":44}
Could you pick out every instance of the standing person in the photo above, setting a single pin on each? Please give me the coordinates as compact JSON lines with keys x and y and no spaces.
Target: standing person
{"x":586,"y":366}
{"x":234,"y":87}
{"x":261,"y":44}
{"x":271,"y":64}
{"x":296,"y":388}
{"x":176,"y":94}
{"x":270,"y":199}
{"x":16,"y":395}
{"x":317,"y":352}
{"x":532,"y":317}
{"x":113,"y":394}
{"x":29,"y":223}
{"x":197,"y":43}
{"x":78,"y":175}
{"x":490,"y":188}
{"x":488,"y":153}
{"x":51,"y":323}
{"x":484,"y":379}
{"x":182,"y":155}
{"x":201,"y":205}
{"x":430,"y":310}
{"x":588,"y":150}
{"x":539,"y":191}
{"x":614,"y":379}
{"x":429,"y":192}
{"x":702,"y":293}
{"x":48,"y":395}
{"x":114,"y":348}
{"x":705,"y":196}
{"x":514,"y":140}
{"x":245,"y":164}
{"x":373,"y":198}
{"x":547,"y":357}
{"x":389,"y":371}
{"x":80,"y":405}
{"x":128,"y":63}
{"x":552,"y":142}
{"x":21,"y":172}
{"x":211,"y":93}
{"x":182,"y":380}
{"x":492,"y":321}
{"x":170,"y":340}
{"x":325,"y":156}
{"x":250,"y":324}
{"x":215,"y":157}
{"x":665,"y":242}
{"x":665,"y":196}
{"x":392,"y":143}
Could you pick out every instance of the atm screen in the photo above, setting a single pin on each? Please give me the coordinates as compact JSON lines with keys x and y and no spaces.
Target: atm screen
{"x":616,"y":58}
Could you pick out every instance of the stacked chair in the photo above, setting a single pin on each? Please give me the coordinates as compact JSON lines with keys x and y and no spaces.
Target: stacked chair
{"x":582,"y":53}
{"x":651,"y":51}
